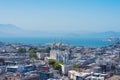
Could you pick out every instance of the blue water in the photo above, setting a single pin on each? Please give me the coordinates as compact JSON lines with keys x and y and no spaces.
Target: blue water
{"x":95,"y":42}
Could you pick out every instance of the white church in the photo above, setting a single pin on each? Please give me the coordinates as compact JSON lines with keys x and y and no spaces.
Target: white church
{"x":58,"y":54}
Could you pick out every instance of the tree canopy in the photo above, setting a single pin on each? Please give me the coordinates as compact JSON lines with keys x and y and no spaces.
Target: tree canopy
{"x":32,"y":53}
{"x":51,"y":61}
{"x":76,"y":65}
{"x":46,"y":50}
{"x":56,"y":65}
{"x":21,"y":50}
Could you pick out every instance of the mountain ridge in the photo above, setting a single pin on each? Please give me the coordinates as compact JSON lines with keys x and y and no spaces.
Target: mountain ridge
{"x":11,"y":30}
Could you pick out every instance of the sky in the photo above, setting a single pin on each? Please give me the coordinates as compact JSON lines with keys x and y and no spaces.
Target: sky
{"x":62,"y":15}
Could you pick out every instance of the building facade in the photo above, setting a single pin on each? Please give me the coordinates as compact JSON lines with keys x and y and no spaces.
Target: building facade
{"x":58,"y":54}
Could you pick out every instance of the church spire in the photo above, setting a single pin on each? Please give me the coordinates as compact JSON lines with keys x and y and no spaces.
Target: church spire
{"x":54,"y":44}
{"x":60,"y":44}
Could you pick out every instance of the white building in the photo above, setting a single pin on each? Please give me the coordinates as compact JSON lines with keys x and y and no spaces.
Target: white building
{"x":96,"y":76}
{"x":40,"y":55}
{"x":15,"y":68}
{"x":77,"y":75}
{"x":66,"y":68}
{"x":53,"y":54}
{"x":57,"y":54}
{"x":19,"y":68}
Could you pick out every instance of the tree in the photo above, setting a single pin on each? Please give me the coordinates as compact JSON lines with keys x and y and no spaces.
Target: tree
{"x":46,"y":50}
{"x":76,"y":65}
{"x":51,"y":61}
{"x":57,"y":66}
{"x":32,"y":53}
{"x":21,"y":50}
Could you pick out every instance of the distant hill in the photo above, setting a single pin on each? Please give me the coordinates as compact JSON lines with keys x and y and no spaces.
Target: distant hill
{"x":108,"y":34}
{"x":9,"y":30}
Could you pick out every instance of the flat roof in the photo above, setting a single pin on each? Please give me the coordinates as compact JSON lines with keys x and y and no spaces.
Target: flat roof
{"x":80,"y":74}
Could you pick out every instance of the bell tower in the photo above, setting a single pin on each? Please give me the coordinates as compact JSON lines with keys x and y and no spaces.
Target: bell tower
{"x":54,"y":45}
{"x":60,"y":45}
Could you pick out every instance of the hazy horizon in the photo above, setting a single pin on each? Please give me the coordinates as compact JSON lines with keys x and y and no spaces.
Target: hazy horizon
{"x":62,"y":16}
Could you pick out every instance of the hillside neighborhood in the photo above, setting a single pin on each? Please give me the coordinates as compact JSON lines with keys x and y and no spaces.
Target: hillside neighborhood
{"x":58,"y":61}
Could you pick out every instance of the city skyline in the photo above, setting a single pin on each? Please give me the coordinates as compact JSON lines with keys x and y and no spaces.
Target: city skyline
{"x":59,"y":40}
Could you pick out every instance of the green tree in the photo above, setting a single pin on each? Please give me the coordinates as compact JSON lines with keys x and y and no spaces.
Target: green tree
{"x":32,"y":53}
{"x":21,"y":50}
{"x":57,"y":66}
{"x":76,"y":65}
{"x":51,"y":61}
{"x":41,"y":50}
{"x":48,"y":50}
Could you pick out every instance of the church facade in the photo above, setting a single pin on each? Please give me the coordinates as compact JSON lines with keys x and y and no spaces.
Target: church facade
{"x":58,"y":54}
